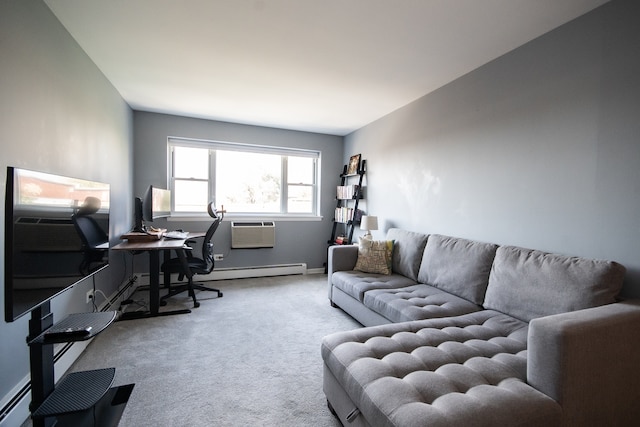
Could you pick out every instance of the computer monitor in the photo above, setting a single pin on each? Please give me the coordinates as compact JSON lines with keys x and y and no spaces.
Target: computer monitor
{"x":156,"y":203}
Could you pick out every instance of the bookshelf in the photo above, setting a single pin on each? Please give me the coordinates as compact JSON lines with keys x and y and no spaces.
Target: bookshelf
{"x":347,"y":216}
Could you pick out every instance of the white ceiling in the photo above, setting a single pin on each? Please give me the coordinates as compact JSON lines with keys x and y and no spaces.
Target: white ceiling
{"x":329,"y":66}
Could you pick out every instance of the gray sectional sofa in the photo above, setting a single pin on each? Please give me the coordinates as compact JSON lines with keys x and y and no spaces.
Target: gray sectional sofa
{"x":465,"y":333}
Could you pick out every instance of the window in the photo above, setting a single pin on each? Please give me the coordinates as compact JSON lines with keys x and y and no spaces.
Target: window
{"x":246,"y":179}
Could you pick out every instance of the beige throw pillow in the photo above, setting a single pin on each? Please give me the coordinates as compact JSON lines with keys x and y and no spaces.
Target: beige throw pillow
{"x":374,"y":256}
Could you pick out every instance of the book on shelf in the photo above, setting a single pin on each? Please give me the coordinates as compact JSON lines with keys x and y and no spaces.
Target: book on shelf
{"x":357,"y":216}
{"x":344,"y":214}
{"x":347,"y":191}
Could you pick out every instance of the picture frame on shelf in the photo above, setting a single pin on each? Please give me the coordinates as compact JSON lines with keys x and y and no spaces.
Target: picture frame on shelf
{"x":354,"y":165}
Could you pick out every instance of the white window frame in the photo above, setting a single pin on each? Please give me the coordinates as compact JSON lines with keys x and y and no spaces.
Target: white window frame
{"x":212,"y":146}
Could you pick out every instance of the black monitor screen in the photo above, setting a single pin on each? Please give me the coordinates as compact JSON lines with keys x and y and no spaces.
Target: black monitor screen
{"x":56,"y":233}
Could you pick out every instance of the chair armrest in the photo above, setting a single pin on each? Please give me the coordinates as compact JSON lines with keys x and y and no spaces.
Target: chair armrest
{"x":587,"y":361}
{"x":189,"y":246}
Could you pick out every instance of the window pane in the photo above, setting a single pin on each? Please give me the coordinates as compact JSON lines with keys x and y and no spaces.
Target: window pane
{"x":190,"y":196}
{"x":251,"y":181}
{"x":191,"y":162}
{"x":300,"y":170}
{"x":248,"y":182}
{"x":300,"y":199}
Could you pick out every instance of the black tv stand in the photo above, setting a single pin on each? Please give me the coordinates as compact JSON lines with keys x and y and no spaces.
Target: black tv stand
{"x":80,"y":398}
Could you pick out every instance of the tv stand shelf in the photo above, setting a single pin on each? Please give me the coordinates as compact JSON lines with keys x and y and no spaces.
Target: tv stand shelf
{"x":78,"y":391}
{"x":80,"y":398}
{"x":98,"y":322}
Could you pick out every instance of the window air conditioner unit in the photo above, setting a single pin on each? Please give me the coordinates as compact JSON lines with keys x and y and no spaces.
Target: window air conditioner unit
{"x":257,"y":234}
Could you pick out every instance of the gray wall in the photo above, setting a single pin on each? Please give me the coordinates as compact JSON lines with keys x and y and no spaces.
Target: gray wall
{"x":296,"y":241}
{"x":58,"y":114}
{"x":539,"y":148}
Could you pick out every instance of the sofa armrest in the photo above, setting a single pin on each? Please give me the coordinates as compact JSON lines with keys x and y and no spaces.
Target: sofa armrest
{"x":587,"y":360}
{"x":341,"y":258}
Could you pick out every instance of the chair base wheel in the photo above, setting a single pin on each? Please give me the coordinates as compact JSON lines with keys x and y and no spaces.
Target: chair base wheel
{"x":190,"y":288}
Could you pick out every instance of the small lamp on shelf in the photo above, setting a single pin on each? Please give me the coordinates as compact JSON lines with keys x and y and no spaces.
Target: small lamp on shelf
{"x":369,"y":223}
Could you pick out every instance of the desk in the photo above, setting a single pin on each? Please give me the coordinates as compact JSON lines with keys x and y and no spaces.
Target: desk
{"x":153,"y":248}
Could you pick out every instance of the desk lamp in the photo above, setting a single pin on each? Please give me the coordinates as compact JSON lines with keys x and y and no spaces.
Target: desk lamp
{"x":369,"y":223}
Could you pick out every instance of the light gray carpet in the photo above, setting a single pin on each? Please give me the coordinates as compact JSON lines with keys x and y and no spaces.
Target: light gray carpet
{"x":251,"y":358}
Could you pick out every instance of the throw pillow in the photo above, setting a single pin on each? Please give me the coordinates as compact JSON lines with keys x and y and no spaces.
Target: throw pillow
{"x":374,"y":256}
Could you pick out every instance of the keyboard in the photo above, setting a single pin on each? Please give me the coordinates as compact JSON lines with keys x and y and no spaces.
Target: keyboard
{"x":176,"y":235}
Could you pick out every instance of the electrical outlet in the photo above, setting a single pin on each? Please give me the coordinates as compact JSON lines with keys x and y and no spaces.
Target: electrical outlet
{"x":90,"y":296}
{"x":218,"y":257}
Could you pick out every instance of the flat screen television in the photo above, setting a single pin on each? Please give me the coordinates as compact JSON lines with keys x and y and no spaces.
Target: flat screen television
{"x":56,"y":234}
{"x":156,"y":203}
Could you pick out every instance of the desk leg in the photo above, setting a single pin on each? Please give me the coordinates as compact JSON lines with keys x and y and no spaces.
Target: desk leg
{"x":154,"y":292}
{"x":166,"y":282}
{"x":154,"y":287}
{"x":154,"y":282}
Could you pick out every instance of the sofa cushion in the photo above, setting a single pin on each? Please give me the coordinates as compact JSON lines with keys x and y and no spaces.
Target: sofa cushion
{"x":374,"y":256}
{"x":356,"y":283}
{"x":528,"y":284}
{"x":407,"y":252}
{"x":416,"y":303}
{"x":449,"y":371}
{"x":458,"y":266}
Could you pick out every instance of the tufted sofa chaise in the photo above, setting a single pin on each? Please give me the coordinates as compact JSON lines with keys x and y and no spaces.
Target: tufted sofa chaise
{"x":465,"y":333}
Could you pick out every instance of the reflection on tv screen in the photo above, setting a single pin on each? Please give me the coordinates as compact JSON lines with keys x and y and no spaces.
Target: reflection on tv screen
{"x":56,"y":233}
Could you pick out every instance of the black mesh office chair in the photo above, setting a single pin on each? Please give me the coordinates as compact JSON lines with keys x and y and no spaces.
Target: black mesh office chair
{"x":95,"y":242}
{"x":194,"y":265}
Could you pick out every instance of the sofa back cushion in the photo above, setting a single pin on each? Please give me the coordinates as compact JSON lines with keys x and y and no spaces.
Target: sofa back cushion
{"x":408,"y":247}
{"x":528,"y":284}
{"x":458,"y":266}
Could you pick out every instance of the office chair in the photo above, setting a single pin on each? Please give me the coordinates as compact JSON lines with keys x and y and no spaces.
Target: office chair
{"x":95,"y":242}
{"x":194,"y":265}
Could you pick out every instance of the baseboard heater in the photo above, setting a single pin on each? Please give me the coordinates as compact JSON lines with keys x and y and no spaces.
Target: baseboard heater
{"x":255,"y":234}
{"x":258,"y":271}
{"x":246,"y":272}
